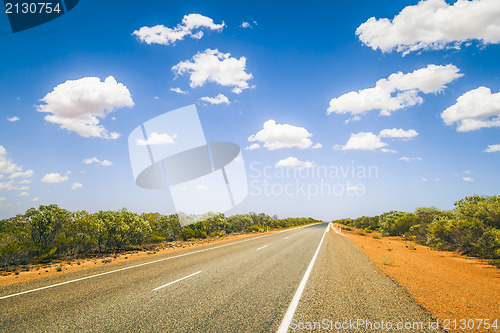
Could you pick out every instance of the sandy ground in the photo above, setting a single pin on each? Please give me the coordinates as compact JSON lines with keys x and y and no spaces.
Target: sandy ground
{"x":451,"y":286}
{"x":39,"y":271}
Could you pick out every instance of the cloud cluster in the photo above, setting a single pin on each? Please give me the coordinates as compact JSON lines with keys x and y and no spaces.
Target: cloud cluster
{"x":178,"y":90}
{"x":13,"y":119}
{"x":396,"y":92}
{"x":371,"y":141}
{"x":434,"y":25}
{"x":12,"y":171}
{"x":216,"y":67}
{"x":157,"y":139}
{"x":190,"y":26}
{"x":277,"y":136}
{"x":473,"y":110}
{"x":77,"y":105}
{"x":219,"y":99}
{"x":94,"y":159}
{"x":492,"y":149}
{"x":294,"y":163}
{"x":53,"y":178}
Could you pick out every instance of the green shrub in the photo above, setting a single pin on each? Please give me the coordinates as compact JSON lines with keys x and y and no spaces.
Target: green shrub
{"x":361,"y":232}
{"x":377,"y":236}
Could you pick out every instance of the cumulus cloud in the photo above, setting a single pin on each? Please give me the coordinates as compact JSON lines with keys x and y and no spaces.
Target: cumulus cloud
{"x":219,"y":99}
{"x":253,"y":146}
{"x":157,"y":139}
{"x":6,"y":164}
{"x":434,"y":25}
{"x":178,"y":90}
{"x":409,"y":159}
{"x":78,"y":105}
{"x":468,"y":179}
{"x":371,"y":141}
{"x":23,"y":194}
{"x":396,"y":92}
{"x":294,"y":163}
{"x":26,"y":174}
{"x":35,"y":199}
{"x":474,"y":110}
{"x":76,"y":186}
{"x":245,"y":24}
{"x":214,"y":66}
{"x":492,"y":149}
{"x":53,"y":178}
{"x":398,"y":133}
{"x":191,"y":26}
{"x":362,"y":141}
{"x":317,"y":146}
{"x":276,"y":136}
{"x":94,"y":159}
{"x":12,"y":119}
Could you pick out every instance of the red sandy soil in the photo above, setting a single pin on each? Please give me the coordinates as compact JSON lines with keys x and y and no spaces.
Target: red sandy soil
{"x":449,"y":285}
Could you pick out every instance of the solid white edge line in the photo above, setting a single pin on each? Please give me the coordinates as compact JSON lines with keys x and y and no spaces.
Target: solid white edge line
{"x":285,"y":323}
{"x":168,"y":284}
{"x":147,"y":263}
{"x":260,"y":248}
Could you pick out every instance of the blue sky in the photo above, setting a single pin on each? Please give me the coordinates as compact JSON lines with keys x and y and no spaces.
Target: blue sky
{"x":404,"y":92}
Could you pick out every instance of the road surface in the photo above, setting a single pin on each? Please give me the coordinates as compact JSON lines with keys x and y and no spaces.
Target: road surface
{"x":293,"y":281}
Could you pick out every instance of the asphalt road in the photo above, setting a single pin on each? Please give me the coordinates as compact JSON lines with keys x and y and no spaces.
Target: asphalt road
{"x":262,"y":284}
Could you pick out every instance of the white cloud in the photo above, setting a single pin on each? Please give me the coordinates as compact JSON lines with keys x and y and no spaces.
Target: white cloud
{"x":35,"y":199}
{"x":434,"y":25}
{"x":387,"y":150}
{"x":94,"y":159}
{"x":23,"y":194}
{"x":6,"y":164}
{"x":317,"y":146}
{"x":26,"y":174}
{"x":219,"y":99}
{"x":468,"y":179}
{"x":77,"y":105}
{"x":202,"y":187}
{"x":178,"y":90}
{"x":362,"y":141}
{"x":423,"y":179}
{"x":54,"y":178}
{"x":24,"y":181}
{"x":473,"y":110}
{"x":3,"y":199}
{"x":157,"y":139}
{"x":294,"y":163}
{"x":409,"y":159}
{"x":76,"y":186}
{"x":355,"y":188}
{"x":7,"y":185}
{"x":190,"y":26}
{"x":276,"y":136}
{"x":396,"y":92}
{"x":23,"y":188}
{"x":12,"y":119}
{"x":398,"y":133}
{"x":214,"y":66}
{"x":370,"y":141}
{"x":253,"y":146}
{"x":492,"y":149}
{"x":245,"y":24}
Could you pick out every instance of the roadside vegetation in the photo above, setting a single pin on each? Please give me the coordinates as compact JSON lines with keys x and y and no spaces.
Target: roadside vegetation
{"x":471,"y":228}
{"x":51,"y":233}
